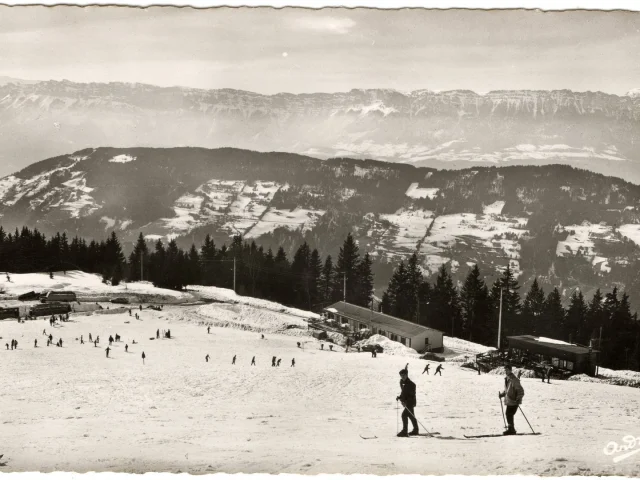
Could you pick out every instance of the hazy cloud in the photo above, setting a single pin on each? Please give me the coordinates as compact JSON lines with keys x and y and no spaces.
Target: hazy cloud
{"x":335,"y":25}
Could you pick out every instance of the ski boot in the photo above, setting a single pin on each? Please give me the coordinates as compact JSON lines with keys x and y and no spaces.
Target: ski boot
{"x":510,"y":431}
{"x":403,"y":433}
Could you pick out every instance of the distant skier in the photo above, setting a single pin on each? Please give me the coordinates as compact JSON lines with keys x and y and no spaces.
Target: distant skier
{"x":322,"y":346}
{"x":438,"y":370}
{"x":207,"y":358}
{"x":253,"y":361}
{"x":408,"y":399}
{"x":233,"y":362}
{"x":263,"y":336}
{"x":44,"y":332}
{"x":48,"y":342}
{"x":279,"y":360}
{"x":143,"y":357}
{"x":61,"y":342}
{"x":90,"y":339}
{"x":129,"y":312}
{"x":298,"y":344}
{"x":95,"y":343}
{"x":126,"y":348}
{"x":293,"y":362}
{"x":51,"y":338}
{"x":15,"y":342}
{"x":108,"y":349}
{"x":426,"y":369}
{"x":273,"y":361}
{"x":81,"y":340}
{"x":208,"y":329}
{"x":98,"y":339}
{"x":110,"y":339}
{"x":512,"y":394}
{"x":35,"y":343}
{"x":140,"y":307}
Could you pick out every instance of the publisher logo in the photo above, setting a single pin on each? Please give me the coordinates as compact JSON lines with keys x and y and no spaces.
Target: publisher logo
{"x":629,"y":447}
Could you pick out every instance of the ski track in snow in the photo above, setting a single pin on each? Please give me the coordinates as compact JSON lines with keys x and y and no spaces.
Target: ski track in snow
{"x":72,"y":409}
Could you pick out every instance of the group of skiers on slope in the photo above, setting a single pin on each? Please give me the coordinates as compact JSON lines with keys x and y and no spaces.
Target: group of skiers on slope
{"x":512,"y":394}
{"x":439,"y":369}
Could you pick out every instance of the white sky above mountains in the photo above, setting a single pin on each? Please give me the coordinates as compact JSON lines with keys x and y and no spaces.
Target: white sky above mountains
{"x":299,"y":50}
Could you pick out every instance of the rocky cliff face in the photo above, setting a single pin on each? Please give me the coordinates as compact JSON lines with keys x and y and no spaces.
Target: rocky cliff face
{"x":452,"y":129}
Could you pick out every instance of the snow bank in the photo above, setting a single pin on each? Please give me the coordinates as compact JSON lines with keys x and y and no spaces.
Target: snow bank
{"x":620,"y":381}
{"x":124,"y":158}
{"x":465,"y":346}
{"x":526,"y":373}
{"x":390,"y":347}
{"x":227,"y":295}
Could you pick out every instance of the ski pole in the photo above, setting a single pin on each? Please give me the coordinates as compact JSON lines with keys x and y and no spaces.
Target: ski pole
{"x":525,"y":417}
{"x":414,"y":417}
{"x":502,"y":408}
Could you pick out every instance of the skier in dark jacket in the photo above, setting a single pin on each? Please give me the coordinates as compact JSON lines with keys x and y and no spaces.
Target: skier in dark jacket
{"x":426,"y":369}
{"x":293,"y":362}
{"x":126,"y":348}
{"x":107,"y":350}
{"x":35,"y":343}
{"x":273,"y":361}
{"x":233,"y":362}
{"x":438,"y":370}
{"x":253,"y":361}
{"x":207,"y":358}
{"x":143,"y":357}
{"x":408,"y":399}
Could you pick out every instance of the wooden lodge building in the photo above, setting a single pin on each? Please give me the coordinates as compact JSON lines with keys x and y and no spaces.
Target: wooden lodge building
{"x":418,"y":337}
{"x":563,"y":356}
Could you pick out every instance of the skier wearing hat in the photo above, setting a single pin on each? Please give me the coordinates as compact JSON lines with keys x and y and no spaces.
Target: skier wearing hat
{"x":408,"y":399}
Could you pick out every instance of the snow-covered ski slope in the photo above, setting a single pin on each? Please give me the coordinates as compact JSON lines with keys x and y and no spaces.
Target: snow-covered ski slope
{"x":72,"y":409}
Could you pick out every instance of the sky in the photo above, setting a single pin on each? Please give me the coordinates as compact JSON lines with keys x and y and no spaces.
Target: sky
{"x":296,"y":50}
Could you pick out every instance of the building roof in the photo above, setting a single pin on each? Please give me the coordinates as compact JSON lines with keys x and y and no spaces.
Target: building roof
{"x":547,"y":344}
{"x":365,"y":315}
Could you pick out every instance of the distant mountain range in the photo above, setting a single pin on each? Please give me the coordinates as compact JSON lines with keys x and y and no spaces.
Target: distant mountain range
{"x":454,"y":129}
{"x":572,"y":228}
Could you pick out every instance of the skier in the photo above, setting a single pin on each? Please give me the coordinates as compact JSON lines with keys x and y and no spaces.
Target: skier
{"x":426,"y":369}
{"x":60,"y":342}
{"x":16,"y":343}
{"x":293,"y":362}
{"x":263,"y":336}
{"x":168,"y":333}
{"x":207,"y":358}
{"x":126,"y":348}
{"x":90,"y":339}
{"x":7,"y":346}
{"x":44,"y":332}
{"x":253,"y":361}
{"x":35,"y":343}
{"x":98,"y":339}
{"x":278,"y":364}
{"x":322,"y":346}
{"x":129,"y":312}
{"x":81,"y":340}
{"x":95,"y":343}
{"x":438,"y":370}
{"x":108,"y":349}
{"x":143,"y":355}
{"x":50,"y":337}
{"x":513,"y":393}
{"x":110,"y":339}
{"x":408,"y":399}
{"x":273,"y":361}
{"x":233,"y":362}
{"x":208,"y":329}
{"x":140,"y":307}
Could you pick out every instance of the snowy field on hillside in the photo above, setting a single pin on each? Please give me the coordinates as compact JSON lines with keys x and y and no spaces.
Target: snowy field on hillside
{"x":72,"y":409}
{"x":80,"y":282}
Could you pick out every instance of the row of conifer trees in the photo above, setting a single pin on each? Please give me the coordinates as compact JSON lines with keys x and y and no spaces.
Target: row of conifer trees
{"x":309,"y":282}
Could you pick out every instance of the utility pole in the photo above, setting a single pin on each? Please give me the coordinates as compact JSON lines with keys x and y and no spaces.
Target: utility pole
{"x":344,"y":289}
{"x":600,"y":340}
{"x":500,"y":320}
{"x":234,"y":274}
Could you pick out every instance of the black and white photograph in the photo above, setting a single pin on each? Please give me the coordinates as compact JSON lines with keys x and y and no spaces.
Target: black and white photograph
{"x":256,"y":240}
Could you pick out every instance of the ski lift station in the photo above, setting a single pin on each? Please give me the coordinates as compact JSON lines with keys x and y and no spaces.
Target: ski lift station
{"x":418,"y":337}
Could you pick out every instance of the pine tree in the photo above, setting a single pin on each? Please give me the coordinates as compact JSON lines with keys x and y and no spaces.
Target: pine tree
{"x":315,"y":280}
{"x":208,"y":257}
{"x":326,"y":280}
{"x":138,"y":260}
{"x":474,"y":301}
{"x":301,"y":277}
{"x":595,"y":318}
{"x":346,"y":268}
{"x":553,"y":316}
{"x":414,"y":281}
{"x":194,"y":274}
{"x":397,"y":293}
{"x":532,"y":309}
{"x":447,"y":313}
{"x":364,"y":285}
{"x":576,"y":317}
